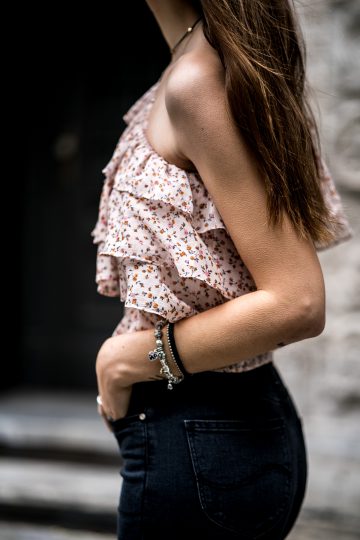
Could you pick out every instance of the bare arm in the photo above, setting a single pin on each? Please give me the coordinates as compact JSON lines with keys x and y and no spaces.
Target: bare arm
{"x":289,"y":304}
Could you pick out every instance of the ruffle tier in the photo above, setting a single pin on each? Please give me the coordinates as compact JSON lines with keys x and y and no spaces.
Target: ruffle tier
{"x":341,"y":230}
{"x":158,"y":227}
{"x":162,"y":242}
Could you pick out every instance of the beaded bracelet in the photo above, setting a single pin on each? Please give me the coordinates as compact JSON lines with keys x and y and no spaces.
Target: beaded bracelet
{"x":173,"y":349}
{"x":182,"y":376}
{"x":159,"y":354}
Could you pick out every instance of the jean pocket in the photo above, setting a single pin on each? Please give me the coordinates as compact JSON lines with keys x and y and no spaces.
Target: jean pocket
{"x":243,"y":472}
{"x":130,"y":434}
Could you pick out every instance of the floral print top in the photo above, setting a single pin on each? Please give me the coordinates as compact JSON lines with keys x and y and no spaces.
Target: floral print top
{"x":162,"y":244}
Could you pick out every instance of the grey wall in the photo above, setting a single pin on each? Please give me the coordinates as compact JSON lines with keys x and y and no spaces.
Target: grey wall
{"x":324,"y":373}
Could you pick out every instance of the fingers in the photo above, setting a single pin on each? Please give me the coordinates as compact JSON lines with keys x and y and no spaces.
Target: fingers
{"x":102,"y":408}
{"x":104,"y":417}
{"x":120,"y":405}
{"x":107,"y":412}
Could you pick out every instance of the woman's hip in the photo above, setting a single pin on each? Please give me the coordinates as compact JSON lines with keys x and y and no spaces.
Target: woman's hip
{"x":221,"y":452}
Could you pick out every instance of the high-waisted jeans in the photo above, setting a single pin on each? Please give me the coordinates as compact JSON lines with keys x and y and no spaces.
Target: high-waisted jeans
{"x":222,"y":455}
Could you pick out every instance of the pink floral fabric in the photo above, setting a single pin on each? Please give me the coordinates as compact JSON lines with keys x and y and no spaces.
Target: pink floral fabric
{"x":163,"y":247}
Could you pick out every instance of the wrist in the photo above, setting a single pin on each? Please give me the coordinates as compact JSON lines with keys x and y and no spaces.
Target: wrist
{"x":170,"y":332}
{"x":124,"y":358}
{"x":159,"y":354}
{"x":135,"y":364}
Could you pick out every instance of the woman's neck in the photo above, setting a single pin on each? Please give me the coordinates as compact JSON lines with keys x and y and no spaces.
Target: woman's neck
{"x":173,"y":18}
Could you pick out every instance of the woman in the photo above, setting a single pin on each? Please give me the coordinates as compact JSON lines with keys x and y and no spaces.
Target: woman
{"x":214,"y":204}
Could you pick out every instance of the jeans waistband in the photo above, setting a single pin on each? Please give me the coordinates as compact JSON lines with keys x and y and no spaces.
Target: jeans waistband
{"x":212,"y":386}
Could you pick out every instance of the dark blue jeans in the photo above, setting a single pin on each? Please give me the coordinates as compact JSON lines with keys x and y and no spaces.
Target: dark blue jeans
{"x":222,"y":455}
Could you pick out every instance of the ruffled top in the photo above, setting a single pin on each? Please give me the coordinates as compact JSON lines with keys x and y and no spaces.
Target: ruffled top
{"x":162,"y":244}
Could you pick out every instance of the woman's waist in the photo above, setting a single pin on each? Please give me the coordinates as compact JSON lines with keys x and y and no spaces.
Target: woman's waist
{"x":257,"y":392}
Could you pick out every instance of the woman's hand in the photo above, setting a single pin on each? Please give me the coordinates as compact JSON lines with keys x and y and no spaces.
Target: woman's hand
{"x":114,"y":390}
{"x":122,"y":361}
{"x":124,"y":396}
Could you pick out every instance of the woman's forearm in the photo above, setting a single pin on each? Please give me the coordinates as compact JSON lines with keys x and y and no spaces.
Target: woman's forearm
{"x":245,"y":327}
{"x":238,"y":329}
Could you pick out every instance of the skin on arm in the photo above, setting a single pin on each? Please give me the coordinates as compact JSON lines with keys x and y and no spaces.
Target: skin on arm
{"x":289,"y":303}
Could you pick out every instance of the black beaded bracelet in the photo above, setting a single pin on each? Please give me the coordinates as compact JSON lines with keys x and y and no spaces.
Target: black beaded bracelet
{"x":174,"y":349}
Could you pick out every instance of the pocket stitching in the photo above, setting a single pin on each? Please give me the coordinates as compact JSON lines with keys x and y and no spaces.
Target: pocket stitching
{"x":191,"y":427}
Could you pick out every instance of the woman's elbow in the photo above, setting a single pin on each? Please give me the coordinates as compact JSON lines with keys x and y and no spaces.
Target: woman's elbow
{"x":310,"y":315}
{"x":314,"y":316}
{"x":302,"y":313}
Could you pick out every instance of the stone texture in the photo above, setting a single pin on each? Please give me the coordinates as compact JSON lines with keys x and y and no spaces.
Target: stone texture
{"x":323,"y":374}
{"x":48,"y":484}
{"x":309,"y":530}
{"x":22,"y":531}
{"x":332,"y":32}
{"x":54,"y":420}
{"x":310,"y":527}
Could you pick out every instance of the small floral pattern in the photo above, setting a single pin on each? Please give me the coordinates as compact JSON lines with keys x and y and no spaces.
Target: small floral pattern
{"x":163,"y":247}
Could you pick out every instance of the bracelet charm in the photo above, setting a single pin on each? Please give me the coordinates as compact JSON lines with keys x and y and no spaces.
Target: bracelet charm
{"x":158,"y":351}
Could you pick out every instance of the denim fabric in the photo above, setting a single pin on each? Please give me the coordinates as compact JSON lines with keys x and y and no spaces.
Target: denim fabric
{"x":222,"y":454}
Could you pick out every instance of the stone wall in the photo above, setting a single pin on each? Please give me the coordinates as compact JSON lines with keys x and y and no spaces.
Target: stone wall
{"x":332,"y":33}
{"x":323,"y":374}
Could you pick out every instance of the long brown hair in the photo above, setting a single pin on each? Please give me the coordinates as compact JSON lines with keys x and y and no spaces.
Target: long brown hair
{"x":263,"y":54}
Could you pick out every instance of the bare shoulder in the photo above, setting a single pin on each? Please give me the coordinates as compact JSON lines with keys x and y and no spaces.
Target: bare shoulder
{"x":207,"y":135}
{"x":194,"y":85}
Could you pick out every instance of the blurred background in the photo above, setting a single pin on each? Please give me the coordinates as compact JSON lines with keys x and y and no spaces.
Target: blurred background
{"x":71,"y":78}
